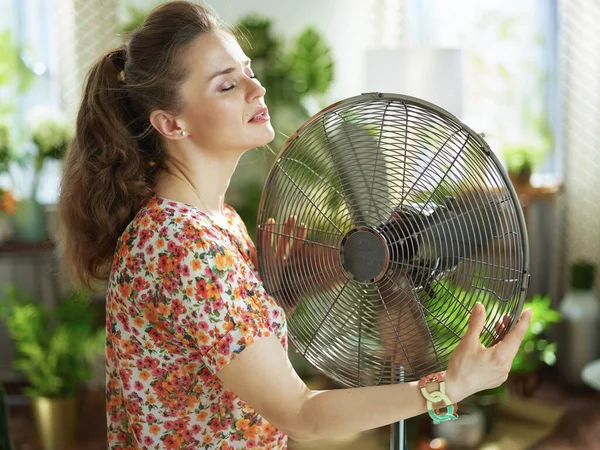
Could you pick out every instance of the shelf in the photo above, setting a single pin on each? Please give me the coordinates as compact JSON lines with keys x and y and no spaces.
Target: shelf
{"x":22,"y":248}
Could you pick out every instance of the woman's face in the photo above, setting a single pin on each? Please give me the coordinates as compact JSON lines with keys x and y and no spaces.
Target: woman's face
{"x":224,"y":104}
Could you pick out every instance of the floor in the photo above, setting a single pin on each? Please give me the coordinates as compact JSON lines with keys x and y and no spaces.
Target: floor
{"x":520,"y":423}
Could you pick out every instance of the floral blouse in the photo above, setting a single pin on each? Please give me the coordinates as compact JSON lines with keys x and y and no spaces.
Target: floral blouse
{"x":184,"y":298}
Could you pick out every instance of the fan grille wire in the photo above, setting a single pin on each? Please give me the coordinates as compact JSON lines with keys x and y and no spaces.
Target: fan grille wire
{"x":355,"y":166}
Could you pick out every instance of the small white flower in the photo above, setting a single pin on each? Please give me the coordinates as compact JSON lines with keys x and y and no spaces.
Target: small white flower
{"x":50,"y":130}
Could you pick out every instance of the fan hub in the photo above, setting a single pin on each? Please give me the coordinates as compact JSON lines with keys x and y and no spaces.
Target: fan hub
{"x":364,"y":254}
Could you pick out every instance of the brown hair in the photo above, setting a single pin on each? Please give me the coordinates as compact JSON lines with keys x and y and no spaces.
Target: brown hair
{"x":113,"y":159}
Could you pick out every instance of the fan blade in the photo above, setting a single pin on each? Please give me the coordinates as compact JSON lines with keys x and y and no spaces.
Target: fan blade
{"x":359,"y":163}
{"x":407,"y":339}
{"x":315,"y":268}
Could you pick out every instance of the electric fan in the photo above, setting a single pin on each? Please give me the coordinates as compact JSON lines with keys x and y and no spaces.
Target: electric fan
{"x":404,"y":219}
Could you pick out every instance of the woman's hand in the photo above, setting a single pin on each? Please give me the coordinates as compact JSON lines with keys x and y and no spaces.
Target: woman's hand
{"x":281,"y":247}
{"x":279,"y":250}
{"x":473,"y":367}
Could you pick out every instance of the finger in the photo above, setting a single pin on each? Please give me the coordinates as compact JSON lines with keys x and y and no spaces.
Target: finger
{"x":283,"y":243}
{"x":476,"y":322}
{"x":267,"y":236}
{"x":503,"y":324}
{"x":501,"y":327}
{"x":300,"y":236}
{"x":513,"y":339}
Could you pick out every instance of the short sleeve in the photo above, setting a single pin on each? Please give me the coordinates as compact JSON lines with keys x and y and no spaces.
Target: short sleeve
{"x":221,"y":311}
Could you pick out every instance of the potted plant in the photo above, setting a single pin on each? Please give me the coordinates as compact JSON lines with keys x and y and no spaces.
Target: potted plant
{"x":521,"y":160}
{"x":523,"y":157}
{"x":50,"y":134}
{"x":7,"y":199}
{"x":16,"y":77}
{"x":8,"y":206}
{"x":55,"y":351}
{"x":536,"y":349}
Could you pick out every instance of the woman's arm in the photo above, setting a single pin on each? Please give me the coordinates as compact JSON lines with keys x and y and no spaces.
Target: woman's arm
{"x":263,"y":377}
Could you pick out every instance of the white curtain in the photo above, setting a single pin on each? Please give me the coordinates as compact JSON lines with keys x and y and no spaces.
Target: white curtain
{"x":580,"y":82}
{"x":82,"y":30}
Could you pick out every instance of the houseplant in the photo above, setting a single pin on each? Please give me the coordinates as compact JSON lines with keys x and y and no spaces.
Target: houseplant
{"x":536,"y":348}
{"x":7,"y":199}
{"x":579,"y":330}
{"x":55,"y":351}
{"x":521,"y":160}
{"x":16,"y":78}
{"x":8,"y":206}
{"x":50,"y":135}
{"x":523,"y":157}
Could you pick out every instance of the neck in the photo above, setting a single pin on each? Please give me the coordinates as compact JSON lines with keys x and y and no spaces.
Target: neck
{"x":205,"y":190}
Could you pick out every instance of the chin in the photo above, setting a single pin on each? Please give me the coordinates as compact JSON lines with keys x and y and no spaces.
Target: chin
{"x":257,"y":138}
{"x":265,"y":137}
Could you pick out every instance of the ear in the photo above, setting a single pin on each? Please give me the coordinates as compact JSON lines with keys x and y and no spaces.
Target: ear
{"x":166,"y":124}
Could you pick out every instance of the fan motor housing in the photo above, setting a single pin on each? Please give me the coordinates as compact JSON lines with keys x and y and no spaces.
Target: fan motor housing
{"x":364,"y":254}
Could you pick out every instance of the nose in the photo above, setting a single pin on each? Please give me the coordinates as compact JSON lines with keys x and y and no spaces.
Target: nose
{"x":255,"y":89}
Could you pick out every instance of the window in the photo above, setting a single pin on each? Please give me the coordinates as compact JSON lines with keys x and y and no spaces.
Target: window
{"x":509,"y":84}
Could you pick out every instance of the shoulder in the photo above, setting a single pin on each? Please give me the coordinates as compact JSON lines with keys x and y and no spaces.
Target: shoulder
{"x":161,"y":222}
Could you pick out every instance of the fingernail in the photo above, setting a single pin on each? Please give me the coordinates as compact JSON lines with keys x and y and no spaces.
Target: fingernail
{"x":528,"y":311}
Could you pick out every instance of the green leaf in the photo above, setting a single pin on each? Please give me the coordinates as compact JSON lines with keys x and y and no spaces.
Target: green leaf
{"x":13,"y":70}
{"x":55,"y":349}
{"x":311,"y":63}
{"x":535,"y":348}
{"x":256,"y":38}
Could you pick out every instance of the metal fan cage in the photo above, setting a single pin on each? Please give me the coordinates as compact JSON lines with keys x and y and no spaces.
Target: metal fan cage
{"x":410,"y":219}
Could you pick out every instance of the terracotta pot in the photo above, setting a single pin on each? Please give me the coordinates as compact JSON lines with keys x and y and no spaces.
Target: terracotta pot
{"x":520,"y":179}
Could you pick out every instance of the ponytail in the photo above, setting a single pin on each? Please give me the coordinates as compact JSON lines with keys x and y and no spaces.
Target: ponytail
{"x":104,"y":180}
{"x":115,"y":155}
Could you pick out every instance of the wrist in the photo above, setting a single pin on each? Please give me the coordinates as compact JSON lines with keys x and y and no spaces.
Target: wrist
{"x":454,"y":388}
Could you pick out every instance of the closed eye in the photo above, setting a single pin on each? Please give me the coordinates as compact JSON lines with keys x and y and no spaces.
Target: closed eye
{"x":251,"y":75}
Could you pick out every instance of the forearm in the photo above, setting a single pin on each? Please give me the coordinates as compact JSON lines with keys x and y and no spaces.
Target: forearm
{"x":346,"y":411}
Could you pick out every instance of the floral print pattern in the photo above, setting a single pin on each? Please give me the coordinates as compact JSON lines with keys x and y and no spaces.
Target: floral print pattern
{"x":183,"y":299}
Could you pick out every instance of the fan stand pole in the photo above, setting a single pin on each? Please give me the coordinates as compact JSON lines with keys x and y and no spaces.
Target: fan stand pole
{"x":398,"y":435}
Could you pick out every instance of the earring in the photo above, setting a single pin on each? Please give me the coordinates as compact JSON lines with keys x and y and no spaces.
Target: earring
{"x":183,"y":133}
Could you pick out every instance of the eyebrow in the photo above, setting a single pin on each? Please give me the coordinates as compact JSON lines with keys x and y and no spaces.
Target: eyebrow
{"x":229,"y":69}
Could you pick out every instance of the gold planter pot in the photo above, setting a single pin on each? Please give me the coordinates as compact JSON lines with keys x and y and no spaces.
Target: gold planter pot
{"x":56,"y":422}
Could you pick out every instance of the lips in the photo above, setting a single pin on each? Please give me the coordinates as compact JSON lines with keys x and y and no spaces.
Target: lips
{"x":261,"y":113}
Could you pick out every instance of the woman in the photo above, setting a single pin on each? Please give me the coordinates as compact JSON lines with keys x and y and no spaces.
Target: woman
{"x":196,"y":348}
